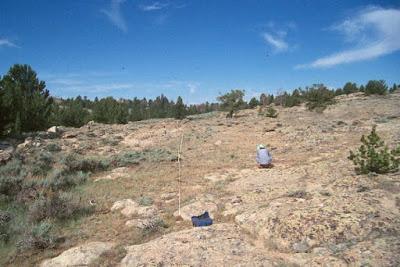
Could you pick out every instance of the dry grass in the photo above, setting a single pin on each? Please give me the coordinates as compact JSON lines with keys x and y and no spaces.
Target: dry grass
{"x":210,"y":145}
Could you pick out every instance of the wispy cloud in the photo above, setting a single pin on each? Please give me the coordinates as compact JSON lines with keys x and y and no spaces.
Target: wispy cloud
{"x":154,"y":6}
{"x":375,"y":32}
{"x":190,"y":86}
{"x":275,"y":36}
{"x":7,"y":43}
{"x":114,"y":14}
{"x":100,"y":83}
{"x":276,"y":42}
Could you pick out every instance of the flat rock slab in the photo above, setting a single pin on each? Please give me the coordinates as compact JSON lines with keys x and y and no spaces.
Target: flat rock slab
{"x":217,"y":245}
{"x":130,"y":208}
{"x":195,"y":209}
{"x":122,"y":172}
{"x":82,"y":255}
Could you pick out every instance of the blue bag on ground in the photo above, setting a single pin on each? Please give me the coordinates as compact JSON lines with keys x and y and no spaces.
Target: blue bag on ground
{"x":202,"y":220}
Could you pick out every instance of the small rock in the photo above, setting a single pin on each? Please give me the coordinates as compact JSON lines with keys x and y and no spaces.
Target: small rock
{"x":69,"y":135}
{"x":168,"y":196}
{"x":300,"y":247}
{"x":218,"y":143}
{"x":53,"y":129}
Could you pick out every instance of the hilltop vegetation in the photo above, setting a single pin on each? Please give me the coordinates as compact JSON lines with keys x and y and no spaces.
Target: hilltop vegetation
{"x":26,"y":105}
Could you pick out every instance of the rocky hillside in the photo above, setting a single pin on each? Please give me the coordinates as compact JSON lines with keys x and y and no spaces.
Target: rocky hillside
{"x":309,"y":209}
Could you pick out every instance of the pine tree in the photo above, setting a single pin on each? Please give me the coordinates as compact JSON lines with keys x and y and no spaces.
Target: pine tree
{"x":375,"y":87}
{"x":25,"y":99}
{"x":394,"y":88}
{"x":180,"y":110}
{"x":253,"y":103}
{"x":374,"y":156}
{"x":350,"y":88}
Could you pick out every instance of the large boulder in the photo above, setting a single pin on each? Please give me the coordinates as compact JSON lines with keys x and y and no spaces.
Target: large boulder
{"x":217,"y":245}
{"x":82,"y":255}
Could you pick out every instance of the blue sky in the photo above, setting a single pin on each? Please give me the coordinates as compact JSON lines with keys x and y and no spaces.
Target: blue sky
{"x":199,"y":48}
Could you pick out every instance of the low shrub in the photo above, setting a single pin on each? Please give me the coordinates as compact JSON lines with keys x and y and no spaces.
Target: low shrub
{"x":154,"y":225}
{"x":271,"y":112}
{"x":374,"y":156}
{"x":59,"y":179}
{"x":145,"y":201}
{"x":56,"y":206}
{"x":52,"y":147}
{"x":75,"y":163}
{"x":5,"y":220}
{"x":134,"y":157}
{"x":42,"y":164}
{"x":11,"y":178}
{"x":39,"y":236}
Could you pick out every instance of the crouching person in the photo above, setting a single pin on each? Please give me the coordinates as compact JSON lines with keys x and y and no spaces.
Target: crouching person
{"x":264,"y":158}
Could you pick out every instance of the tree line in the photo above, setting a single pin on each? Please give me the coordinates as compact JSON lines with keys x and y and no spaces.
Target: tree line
{"x":26,"y":105}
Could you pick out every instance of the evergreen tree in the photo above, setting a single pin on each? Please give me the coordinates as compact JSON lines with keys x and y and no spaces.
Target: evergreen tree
{"x":318,"y":97}
{"x":394,"y":88}
{"x":109,"y":110}
{"x":253,"y":103}
{"x":374,"y":156}
{"x":350,"y":88}
{"x":375,"y":87}
{"x":339,"y":91}
{"x":263,"y":100}
{"x":70,"y":113}
{"x":180,"y":110}
{"x":3,"y":112}
{"x":25,"y":99}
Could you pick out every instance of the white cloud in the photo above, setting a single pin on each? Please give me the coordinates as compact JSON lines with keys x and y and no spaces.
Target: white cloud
{"x":6,"y":42}
{"x":190,"y":86}
{"x":276,"y":42}
{"x":276,"y":36}
{"x":375,"y":32}
{"x":154,"y":6}
{"x":115,"y":15}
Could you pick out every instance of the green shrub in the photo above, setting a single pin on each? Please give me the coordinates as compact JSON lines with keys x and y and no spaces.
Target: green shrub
{"x":59,"y":179}
{"x":53,"y":147}
{"x":56,"y":206}
{"x":5,"y":220}
{"x":271,"y":112}
{"x":11,"y":178}
{"x":42,"y":164}
{"x":319,"y":97}
{"x":75,"y":162}
{"x":374,"y":156}
{"x":134,"y":157}
{"x":145,"y":201}
{"x":40,"y":236}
